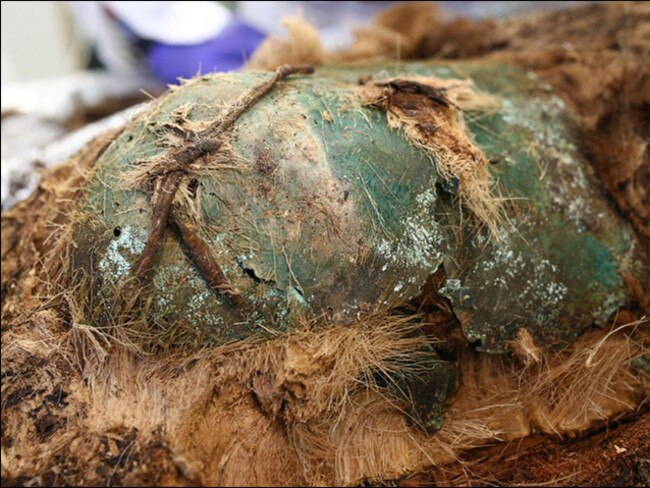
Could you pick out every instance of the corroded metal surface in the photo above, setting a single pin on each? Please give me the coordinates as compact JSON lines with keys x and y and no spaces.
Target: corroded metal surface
{"x":336,"y":214}
{"x":557,"y":266}
{"x":320,"y":223}
{"x":328,"y":214}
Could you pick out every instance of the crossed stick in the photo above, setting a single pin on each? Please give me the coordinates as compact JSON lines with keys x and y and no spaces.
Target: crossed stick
{"x":208,"y":141}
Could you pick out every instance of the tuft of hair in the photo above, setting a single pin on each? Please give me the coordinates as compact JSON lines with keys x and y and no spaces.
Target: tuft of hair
{"x":302,"y":47}
{"x":438,"y":127}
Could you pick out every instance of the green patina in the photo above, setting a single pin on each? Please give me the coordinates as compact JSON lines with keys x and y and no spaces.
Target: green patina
{"x":335,"y":215}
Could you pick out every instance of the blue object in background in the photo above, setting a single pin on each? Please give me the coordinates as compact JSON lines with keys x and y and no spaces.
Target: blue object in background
{"x":226,"y":52}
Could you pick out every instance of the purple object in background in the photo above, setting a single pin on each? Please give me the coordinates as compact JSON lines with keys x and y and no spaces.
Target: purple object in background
{"x":226,"y":52}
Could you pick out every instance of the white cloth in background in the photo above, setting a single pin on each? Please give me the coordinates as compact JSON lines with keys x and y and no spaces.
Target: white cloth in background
{"x":168,"y":22}
{"x":173,"y":22}
{"x":34,"y":134}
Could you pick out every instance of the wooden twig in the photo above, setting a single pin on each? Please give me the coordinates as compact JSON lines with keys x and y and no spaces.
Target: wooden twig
{"x":159,"y":217}
{"x":178,"y":161}
{"x":201,"y":255}
{"x":230,"y":114}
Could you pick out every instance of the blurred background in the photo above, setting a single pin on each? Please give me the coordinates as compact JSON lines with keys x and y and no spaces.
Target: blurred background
{"x":48,"y":38}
